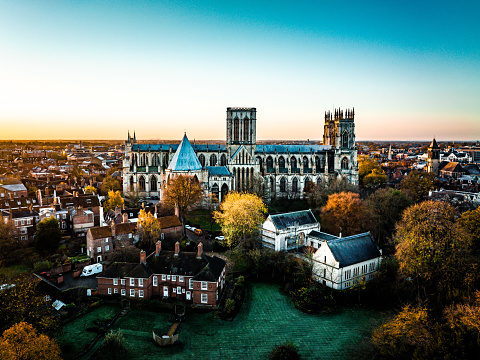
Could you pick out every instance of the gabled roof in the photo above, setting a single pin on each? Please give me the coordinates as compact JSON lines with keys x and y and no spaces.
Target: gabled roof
{"x":452,"y":167}
{"x":169,"y":221}
{"x":322,"y":235}
{"x":185,"y":158}
{"x":354,"y":249}
{"x":100,"y":232}
{"x":14,"y":187}
{"x":296,"y":218}
{"x":218,"y":170}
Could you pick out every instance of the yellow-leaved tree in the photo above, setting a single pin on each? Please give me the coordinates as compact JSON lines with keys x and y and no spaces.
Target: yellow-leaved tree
{"x":22,"y":341}
{"x":149,"y":229}
{"x":240,"y":215}
{"x":114,"y":199}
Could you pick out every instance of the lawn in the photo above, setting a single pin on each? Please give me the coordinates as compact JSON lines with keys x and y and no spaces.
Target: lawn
{"x":267,"y":318}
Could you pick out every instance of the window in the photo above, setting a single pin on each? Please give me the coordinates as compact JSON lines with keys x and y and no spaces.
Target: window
{"x":155,"y":281}
{"x":115,"y":290}
{"x":190,"y":283}
{"x":99,"y":249}
{"x":122,"y":281}
{"x":174,"y":278}
{"x":179,"y":290}
{"x":109,"y":291}
{"x":16,"y":222}
{"x":140,"y":293}
{"x":168,"y":277}
{"x":123,"y":292}
{"x":130,"y":235}
{"x":64,"y":216}
{"x":180,"y":278}
{"x":107,"y":247}
{"x":204,"y":298}
{"x":23,"y":222}
{"x":174,"y":290}
{"x":106,"y":240}
{"x":204,"y":285}
{"x":132,"y":282}
{"x":183,"y":291}
{"x":132,"y":293}
{"x":164,"y":277}
{"x":344,"y":163}
{"x":283,"y":184}
{"x":115,"y":281}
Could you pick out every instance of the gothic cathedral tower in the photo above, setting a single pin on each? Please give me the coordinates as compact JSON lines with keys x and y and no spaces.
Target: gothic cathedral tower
{"x":241,"y":129}
{"x":433,"y":159}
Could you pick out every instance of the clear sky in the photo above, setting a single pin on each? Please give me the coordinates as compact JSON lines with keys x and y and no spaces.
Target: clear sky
{"x":95,"y":69}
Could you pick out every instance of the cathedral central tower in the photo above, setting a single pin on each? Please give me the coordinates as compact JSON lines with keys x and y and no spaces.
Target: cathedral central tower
{"x":241,"y":129}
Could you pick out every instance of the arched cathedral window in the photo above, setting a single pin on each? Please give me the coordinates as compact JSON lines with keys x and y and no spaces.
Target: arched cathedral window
{"x":213,"y":160}
{"x":344,"y":163}
{"x":293,"y":162}
{"x":269,"y":163}
{"x":246,"y":129}
{"x":141,"y":181}
{"x":295,"y":185}
{"x":283,"y":184}
{"x":153,"y":183}
{"x":223,"y":160}
{"x":305,"y":163}
{"x":236,"y":135}
{"x":345,"y":139}
{"x":281,"y":162}
{"x":201,"y":158}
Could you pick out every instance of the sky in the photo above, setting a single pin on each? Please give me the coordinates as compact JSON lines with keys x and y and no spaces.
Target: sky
{"x":96,"y":69}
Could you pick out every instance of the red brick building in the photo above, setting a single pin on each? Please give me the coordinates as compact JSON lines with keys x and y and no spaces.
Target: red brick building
{"x":102,"y":240}
{"x":194,"y":277}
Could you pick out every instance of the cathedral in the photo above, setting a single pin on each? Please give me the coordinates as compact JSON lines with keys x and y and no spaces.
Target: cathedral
{"x":280,"y":171}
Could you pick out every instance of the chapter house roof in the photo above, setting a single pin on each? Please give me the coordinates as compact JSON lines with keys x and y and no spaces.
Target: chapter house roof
{"x":354,"y":249}
{"x":296,"y":218}
{"x":185,"y":158}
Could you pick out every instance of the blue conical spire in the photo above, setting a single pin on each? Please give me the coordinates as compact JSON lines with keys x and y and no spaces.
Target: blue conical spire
{"x":185,"y":158}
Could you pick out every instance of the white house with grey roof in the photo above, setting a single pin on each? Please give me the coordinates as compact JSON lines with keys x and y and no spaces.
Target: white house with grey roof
{"x":288,"y":231}
{"x":342,"y":263}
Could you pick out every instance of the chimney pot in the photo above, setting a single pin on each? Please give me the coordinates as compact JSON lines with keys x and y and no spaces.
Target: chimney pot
{"x":125,"y":218}
{"x":199,"y":250}
{"x":177,"y":248}
{"x":158,"y":248}
{"x":143,"y":257}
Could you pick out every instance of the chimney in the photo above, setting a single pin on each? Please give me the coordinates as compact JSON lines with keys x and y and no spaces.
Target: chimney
{"x":143,"y":257}
{"x":158,"y":248}
{"x":156,"y":210}
{"x":199,"y":250}
{"x":143,"y":205}
{"x":177,"y":248}
{"x":112,"y":227}
{"x":118,"y":210}
{"x":177,"y":211}
{"x":125,"y":218}
{"x":123,"y":206}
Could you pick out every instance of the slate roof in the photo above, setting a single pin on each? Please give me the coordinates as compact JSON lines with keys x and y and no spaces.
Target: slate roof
{"x":291,"y":148}
{"x":14,"y":187}
{"x":354,"y":249}
{"x":169,"y":221}
{"x":117,"y":270}
{"x":174,"y":147}
{"x":434,"y":144}
{"x":218,"y":170}
{"x":452,"y":167}
{"x":186,"y":263}
{"x":322,"y":235}
{"x":185,"y":158}
{"x":296,"y":218}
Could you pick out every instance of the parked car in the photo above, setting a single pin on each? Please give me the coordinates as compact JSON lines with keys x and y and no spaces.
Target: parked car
{"x":198,"y":232}
{"x":92,"y":269}
{"x":188,"y":227}
{"x":220,"y":238}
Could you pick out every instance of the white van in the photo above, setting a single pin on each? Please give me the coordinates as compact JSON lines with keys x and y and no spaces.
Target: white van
{"x":92,"y":269}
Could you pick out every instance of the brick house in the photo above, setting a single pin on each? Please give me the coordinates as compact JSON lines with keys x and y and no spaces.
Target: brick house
{"x":102,"y":240}
{"x":24,"y":220}
{"x":171,"y":225}
{"x":189,"y":276}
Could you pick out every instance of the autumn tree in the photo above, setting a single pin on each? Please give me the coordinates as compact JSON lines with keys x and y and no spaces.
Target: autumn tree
{"x":109,"y":183}
{"x":149,"y":229}
{"x":345,"y":213}
{"x":48,"y":236}
{"x":417,"y":184}
{"x":370,"y":174}
{"x":317,"y":195}
{"x":375,"y":179}
{"x":21,"y":301}
{"x":401,"y":336}
{"x":89,"y":189}
{"x":114,"y":199}
{"x":240,"y":215}
{"x":8,"y":243}
{"x":470,"y":222}
{"x":183,"y":192}
{"x":386,"y":207}
{"x":431,"y":248}
{"x":23,"y":342}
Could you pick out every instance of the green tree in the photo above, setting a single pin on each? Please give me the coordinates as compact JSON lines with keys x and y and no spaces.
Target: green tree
{"x":183,"y":192}
{"x":114,"y":199}
{"x":417,"y":184}
{"x":386,"y":207}
{"x":113,"y":347}
{"x":23,"y":342}
{"x":48,"y":236}
{"x":346,"y":213}
{"x":8,"y":243}
{"x":285,"y":351}
{"x":431,"y":248}
{"x":370,"y":174}
{"x":240,"y":216}
{"x":470,"y":222}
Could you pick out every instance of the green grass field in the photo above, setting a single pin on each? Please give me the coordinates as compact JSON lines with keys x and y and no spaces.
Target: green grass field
{"x":267,"y":318}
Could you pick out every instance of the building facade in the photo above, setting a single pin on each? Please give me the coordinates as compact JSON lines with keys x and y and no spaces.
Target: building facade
{"x":283,"y":170}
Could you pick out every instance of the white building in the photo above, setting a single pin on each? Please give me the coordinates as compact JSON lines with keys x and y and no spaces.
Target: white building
{"x":288,"y":231}
{"x":342,"y":263}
